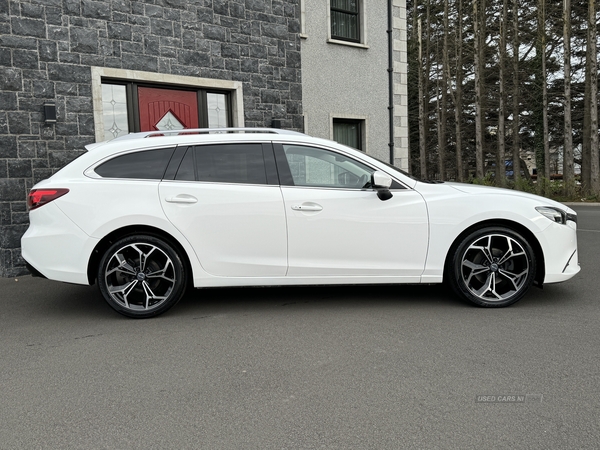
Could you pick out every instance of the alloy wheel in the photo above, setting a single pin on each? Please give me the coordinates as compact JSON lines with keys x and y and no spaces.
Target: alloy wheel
{"x":495,"y":267}
{"x":140,"y":276}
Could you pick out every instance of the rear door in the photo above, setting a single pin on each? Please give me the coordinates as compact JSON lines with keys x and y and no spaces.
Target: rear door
{"x":225,"y":199}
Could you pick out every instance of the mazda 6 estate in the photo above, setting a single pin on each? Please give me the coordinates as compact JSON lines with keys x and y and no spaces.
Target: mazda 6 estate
{"x":149,"y":214}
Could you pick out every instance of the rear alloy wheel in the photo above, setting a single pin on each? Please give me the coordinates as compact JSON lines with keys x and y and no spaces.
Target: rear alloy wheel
{"x":493,"y":267}
{"x":141,"y":276}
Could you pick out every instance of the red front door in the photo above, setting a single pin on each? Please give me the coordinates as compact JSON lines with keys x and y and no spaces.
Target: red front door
{"x":167,"y":109}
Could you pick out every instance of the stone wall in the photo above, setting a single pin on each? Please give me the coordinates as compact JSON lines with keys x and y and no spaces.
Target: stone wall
{"x":47,"y":48}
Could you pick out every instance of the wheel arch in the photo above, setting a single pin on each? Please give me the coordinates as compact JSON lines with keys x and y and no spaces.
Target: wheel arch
{"x":515,"y":226}
{"x":132,"y":230}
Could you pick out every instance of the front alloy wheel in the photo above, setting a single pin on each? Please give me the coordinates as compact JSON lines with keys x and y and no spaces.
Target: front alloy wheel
{"x":141,"y":276}
{"x":493,"y":267}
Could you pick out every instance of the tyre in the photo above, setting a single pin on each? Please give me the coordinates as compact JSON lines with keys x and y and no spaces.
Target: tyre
{"x":492,"y":267}
{"x":141,"y":276}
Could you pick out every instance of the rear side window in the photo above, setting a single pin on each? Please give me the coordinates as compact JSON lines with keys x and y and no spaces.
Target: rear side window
{"x":145,"y":165}
{"x":224,"y":163}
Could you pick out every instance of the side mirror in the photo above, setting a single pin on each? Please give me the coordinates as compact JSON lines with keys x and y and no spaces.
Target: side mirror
{"x":381,"y":182}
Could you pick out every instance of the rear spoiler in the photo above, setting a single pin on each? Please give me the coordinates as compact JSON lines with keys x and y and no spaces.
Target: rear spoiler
{"x":94,"y":145}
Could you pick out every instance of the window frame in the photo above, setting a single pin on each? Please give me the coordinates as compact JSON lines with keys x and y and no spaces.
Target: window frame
{"x":109,"y":74}
{"x":91,"y":171}
{"x":268,"y":158}
{"x":361,"y":42}
{"x":285,"y":173}
{"x":357,"y":14}
{"x":133,"y":106}
{"x":361,"y":129}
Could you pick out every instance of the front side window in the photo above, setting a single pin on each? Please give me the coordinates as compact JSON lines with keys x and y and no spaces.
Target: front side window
{"x":144,"y":165}
{"x":224,"y":163}
{"x":317,"y":167}
{"x":345,"y":20}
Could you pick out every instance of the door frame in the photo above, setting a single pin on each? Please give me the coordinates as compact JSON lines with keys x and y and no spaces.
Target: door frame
{"x":133,"y":104}
{"x":100,"y":74}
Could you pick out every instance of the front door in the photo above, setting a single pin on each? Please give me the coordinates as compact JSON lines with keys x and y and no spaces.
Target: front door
{"x":338,"y":227}
{"x":167,"y":109}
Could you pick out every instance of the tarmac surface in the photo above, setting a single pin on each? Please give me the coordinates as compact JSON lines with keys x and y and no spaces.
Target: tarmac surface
{"x":304,"y":368}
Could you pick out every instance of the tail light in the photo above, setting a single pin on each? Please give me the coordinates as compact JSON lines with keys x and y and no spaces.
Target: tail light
{"x":39,"y":197}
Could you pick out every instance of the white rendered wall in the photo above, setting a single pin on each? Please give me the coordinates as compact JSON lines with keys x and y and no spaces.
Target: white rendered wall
{"x":351,"y":81}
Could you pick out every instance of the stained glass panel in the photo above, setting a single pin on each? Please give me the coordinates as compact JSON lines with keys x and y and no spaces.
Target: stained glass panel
{"x":217,"y":110}
{"x":114,"y":110}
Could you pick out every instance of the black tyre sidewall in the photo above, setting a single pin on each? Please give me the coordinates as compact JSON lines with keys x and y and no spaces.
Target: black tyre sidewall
{"x":454,"y":270}
{"x":179,"y":268}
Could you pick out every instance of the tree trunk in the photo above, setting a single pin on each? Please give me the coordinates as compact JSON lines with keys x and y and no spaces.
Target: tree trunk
{"x":500,"y":166}
{"x":427,"y":79}
{"x":586,"y":163}
{"x":422,"y":113}
{"x":516,"y":126}
{"x":546,"y":135}
{"x":460,"y":170}
{"x":478,"y":20}
{"x":593,"y":57}
{"x":568,"y":171}
{"x":444,"y":106}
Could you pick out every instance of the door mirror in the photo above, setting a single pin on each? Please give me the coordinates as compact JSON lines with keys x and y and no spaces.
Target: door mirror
{"x":381,"y":182}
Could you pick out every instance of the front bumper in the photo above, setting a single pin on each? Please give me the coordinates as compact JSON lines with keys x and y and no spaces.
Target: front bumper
{"x":559,"y":244}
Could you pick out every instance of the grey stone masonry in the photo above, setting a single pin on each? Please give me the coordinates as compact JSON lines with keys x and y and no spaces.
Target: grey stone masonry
{"x":47,"y":49}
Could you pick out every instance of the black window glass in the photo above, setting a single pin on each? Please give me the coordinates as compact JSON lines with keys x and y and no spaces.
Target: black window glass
{"x":146,"y":165}
{"x":345,"y":20}
{"x":225,"y":163}
{"x":186,"y":168}
{"x":348,"y":132}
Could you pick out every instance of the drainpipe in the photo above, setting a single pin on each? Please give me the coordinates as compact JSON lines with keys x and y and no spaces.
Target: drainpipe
{"x":390,"y":32}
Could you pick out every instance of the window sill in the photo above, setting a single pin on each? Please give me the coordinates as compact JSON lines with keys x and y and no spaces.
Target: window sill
{"x":303,"y":36}
{"x":347,"y":43}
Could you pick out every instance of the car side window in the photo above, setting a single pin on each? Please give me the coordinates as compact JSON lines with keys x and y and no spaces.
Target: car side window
{"x":316,"y":167}
{"x":143,"y":165}
{"x":224,"y":163}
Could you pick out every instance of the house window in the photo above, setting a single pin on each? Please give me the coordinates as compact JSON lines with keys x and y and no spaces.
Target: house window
{"x":114,"y":110}
{"x":217,"y":106}
{"x":345,"y":20}
{"x":348,"y":132}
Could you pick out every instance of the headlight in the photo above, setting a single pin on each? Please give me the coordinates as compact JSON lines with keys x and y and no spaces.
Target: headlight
{"x":556,"y":214}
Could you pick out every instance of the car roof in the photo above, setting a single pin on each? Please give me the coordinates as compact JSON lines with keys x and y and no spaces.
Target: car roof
{"x":156,"y":139}
{"x":194,"y":134}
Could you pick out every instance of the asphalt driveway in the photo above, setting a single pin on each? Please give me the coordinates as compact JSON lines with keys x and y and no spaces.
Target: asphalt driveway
{"x":303,"y":368}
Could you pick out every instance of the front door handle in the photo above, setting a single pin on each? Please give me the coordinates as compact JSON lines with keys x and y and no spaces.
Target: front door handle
{"x":182,"y":198}
{"x":307,"y":206}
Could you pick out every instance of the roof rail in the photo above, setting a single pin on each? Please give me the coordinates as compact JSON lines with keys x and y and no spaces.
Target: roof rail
{"x":145,"y":134}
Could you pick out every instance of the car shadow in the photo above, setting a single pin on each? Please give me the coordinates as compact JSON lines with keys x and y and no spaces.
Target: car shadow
{"x":304,"y":297}
{"x":47,"y":298}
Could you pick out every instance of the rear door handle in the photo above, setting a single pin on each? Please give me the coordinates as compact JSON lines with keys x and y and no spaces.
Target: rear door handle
{"x":307,"y":206}
{"x":182,"y":198}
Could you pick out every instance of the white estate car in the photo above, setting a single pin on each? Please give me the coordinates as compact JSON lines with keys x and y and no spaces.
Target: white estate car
{"x":148,"y":214}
